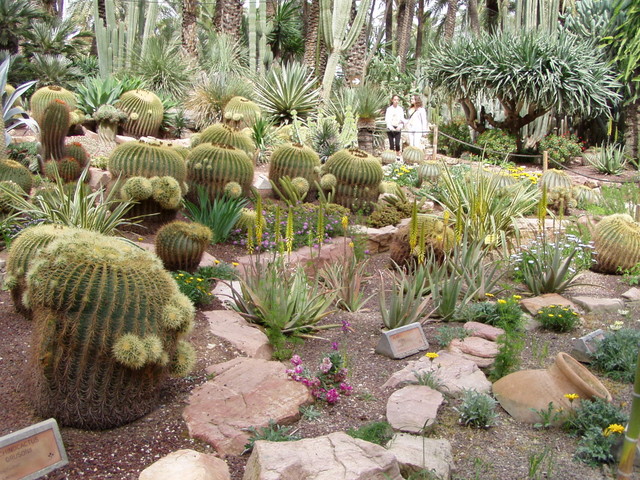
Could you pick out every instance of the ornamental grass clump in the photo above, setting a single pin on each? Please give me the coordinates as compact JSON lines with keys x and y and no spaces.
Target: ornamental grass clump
{"x":558,"y":318}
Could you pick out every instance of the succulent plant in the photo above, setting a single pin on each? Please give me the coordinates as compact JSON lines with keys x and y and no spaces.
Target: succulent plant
{"x":76,"y":151}
{"x":6,"y":203}
{"x":358,"y":176}
{"x":301,"y":186}
{"x":502,"y":179}
{"x":213,"y":166}
{"x":167,"y":192}
{"x":585,"y":195}
{"x":429,"y":171}
{"x":233,"y":190}
{"x":108,"y":118}
{"x":240,"y":112}
{"x":108,"y":326}
{"x":412,"y":155}
{"x":3,"y":140}
{"x":328,"y":182}
{"x":145,"y":112}
{"x":295,"y":160}
{"x":180,"y":245}
{"x":17,"y":173}
{"x":617,"y":240}
{"x":388,"y":157}
{"x":554,"y":178}
{"x":560,"y":200}
{"x":248,"y":219}
{"x":53,"y":130}
{"x":68,"y":169}
{"x":45,"y":95}
{"x":137,"y":189}
{"x":225,"y":135}
{"x":437,"y":239}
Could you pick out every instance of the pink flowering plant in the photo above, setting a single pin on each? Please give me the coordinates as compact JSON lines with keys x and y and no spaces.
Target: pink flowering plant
{"x":328,"y":383}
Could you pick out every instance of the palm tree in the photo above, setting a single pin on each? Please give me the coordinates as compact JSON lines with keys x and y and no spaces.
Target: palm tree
{"x":189,"y":20}
{"x":15,"y":20}
{"x":405,"y":22}
{"x":450,"y":20}
{"x":228,"y":18}
{"x":357,"y":55}
{"x":314,"y":49}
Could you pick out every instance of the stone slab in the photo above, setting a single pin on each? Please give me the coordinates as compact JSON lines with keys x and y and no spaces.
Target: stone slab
{"x":241,"y":334}
{"x":415,"y":453}
{"x":482,"y":330}
{"x":187,"y":464}
{"x":632,"y":295}
{"x":413,"y":408}
{"x":532,"y":305}
{"x":599,"y":305}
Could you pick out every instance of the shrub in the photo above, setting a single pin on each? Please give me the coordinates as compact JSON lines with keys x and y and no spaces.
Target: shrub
{"x":510,"y":345}
{"x":478,"y":410}
{"x":220,"y":215}
{"x":271,"y":433}
{"x":593,"y":413}
{"x":616,"y":355}
{"x":558,"y":318}
{"x":445,"y":335}
{"x":195,"y":286}
{"x":496,"y":145}
{"x":505,"y":313}
{"x":456,"y":128}
{"x":327,"y":383}
{"x":376,"y":432}
{"x":560,"y":147}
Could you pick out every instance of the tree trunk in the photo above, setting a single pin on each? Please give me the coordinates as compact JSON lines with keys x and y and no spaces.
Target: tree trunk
{"x":474,"y":21}
{"x":366,"y":128}
{"x":312,"y":38}
{"x":450,"y":19}
{"x":228,"y":17}
{"x":356,"y":57}
{"x":632,"y":128}
{"x":493,"y":15}
{"x":420,"y":30}
{"x":405,"y":22}
{"x":388,"y":26}
{"x":189,"y":35}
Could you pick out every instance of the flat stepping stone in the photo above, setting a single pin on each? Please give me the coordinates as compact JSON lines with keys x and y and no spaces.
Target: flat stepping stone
{"x":187,"y":465}
{"x":415,"y":453}
{"x":599,"y":305}
{"x":413,"y":408}
{"x":479,"y":350}
{"x":532,"y":305}
{"x":482,"y":330}
{"x":231,"y":327}
{"x":632,"y":295}
{"x":245,"y":392}
{"x":336,"y":456}
{"x":222,"y":291}
{"x":454,"y":372}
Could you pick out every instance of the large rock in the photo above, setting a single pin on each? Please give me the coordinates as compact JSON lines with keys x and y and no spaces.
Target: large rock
{"x":483,"y":330}
{"x":187,"y":465}
{"x":223,"y":292}
{"x":238,"y":332}
{"x":244,"y":392}
{"x":479,"y":350}
{"x":599,"y":305}
{"x":416,"y":453}
{"x":336,"y":456}
{"x":632,"y":295}
{"x":413,"y":408}
{"x":454,"y":373}
{"x":379,"y":239}
{"x":98,"y":178}
{"x":532,"y":305}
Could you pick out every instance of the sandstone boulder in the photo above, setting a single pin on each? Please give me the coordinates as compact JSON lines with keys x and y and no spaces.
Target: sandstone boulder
{"x":187,"y":465}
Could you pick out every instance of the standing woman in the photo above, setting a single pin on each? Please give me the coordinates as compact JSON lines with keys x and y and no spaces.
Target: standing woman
{"x":417,"y":124}
{"x":394,"y":118}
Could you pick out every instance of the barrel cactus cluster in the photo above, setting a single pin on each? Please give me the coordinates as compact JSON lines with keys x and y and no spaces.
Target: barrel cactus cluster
{"x":109,"y":325}
{"x":617,"y":242}
{"x":240,"y":112}
{"x":180,"y":245}
{"x":298,"y":162}
{"x":225,"y":135}
{"x":42,"y":97}
{"x":355,"y":177}
{"x":16,"y":172}
{"x":145,"y":113}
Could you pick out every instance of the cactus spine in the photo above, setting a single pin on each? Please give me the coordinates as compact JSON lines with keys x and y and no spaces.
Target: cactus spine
{"x":108,"y":326}
{"x":225,"y":135}
{"x":42,"y":97}
{"x":213,"y":166}
{"x":180,"y":245}
{"x":145,"y":112}
{"x":295,"y":160}
{"x":358,"y":177}
{"x":617,"y":241}
{"x":53,"y":130}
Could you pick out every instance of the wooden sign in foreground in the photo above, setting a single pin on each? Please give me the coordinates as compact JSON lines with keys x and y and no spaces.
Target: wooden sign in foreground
{"x":32,"y":452}
{"x":402,"y":341}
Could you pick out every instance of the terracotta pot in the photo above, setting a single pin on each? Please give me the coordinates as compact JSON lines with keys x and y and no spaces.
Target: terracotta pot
{"x":522,"y":392}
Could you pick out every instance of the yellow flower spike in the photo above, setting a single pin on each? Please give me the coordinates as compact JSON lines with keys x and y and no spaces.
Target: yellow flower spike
{"x":345,"y":221}
{"x":431,"y":355}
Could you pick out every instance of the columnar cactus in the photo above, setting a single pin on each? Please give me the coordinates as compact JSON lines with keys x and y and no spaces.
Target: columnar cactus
{"x":554,"y":178}
{"x":53,"y":130}
{"x":16,"y":172}
{"x":213,"y":166}
{"x":108,"y":326}
{"x":240,"y":112}
{"x":180,"y":245}
{"x":145,"y":112}
{"x":295,"y":160}
{"x":358,"y":176}
{"x":45,"y":95}
{"x":412,"y":155}
{"x":617,"y":240}
{"x":225,"y":135}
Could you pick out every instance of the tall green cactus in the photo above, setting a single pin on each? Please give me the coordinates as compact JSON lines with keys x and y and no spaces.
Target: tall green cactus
{"x":145,"y":112}
{"x":180,"y":245}
{"x":53,"y":130}
{"x":213,"y":166}
{"x":358,"y":176}
{"x":108,"y":326}
{"x":295,"y":160}
{"x":225,"y":135}
{"x":617,"y":240}
{"x":17,"y":173}
{"x":45,"y":95}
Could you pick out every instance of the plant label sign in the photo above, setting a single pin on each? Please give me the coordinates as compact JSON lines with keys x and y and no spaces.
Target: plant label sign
{"x":32,"y":452}
{"x":402,"y":341}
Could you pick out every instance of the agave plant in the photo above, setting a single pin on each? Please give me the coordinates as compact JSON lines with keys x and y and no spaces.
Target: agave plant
{"x":286,"y":90}
{"x":95,"y":92}
{"x":609,"y":159}
{"x":13,"y":115}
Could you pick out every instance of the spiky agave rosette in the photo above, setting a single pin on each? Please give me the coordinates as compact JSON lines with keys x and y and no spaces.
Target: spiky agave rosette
{"x":108,"y":326}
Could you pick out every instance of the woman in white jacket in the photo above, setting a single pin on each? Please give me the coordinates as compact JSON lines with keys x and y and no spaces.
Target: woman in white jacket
{"x":394,"y":118}
{"x":417,"y":125}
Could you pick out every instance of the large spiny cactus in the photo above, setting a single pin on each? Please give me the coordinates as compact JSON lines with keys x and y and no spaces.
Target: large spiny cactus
{"x":145,"y":112}
{"x":295,"y":160}
{"x":225,"y":135}
{"x":617,"y":241}
{"x":358,"y":177}
{"x":108,"y":325}
{"x":180,"y":245}
{"x":53,"y":130}
{"x":240,"y":112}
{"x":17,"y":173}
{"x":554,"y":178}
{"x":45,"y":95}
{"x":213,"y":166}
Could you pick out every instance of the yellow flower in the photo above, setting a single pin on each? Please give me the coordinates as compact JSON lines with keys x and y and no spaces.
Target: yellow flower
{"x":517,"y":297}
{"x":181,"y":274}
{"x":613,"y":428}
{"x":216,"y":262}
{"x":551,"y":315}
{"x":431,"y":355}
{"x":235,"y":264}
{"x":488,"y":295}
{"x":571,"y":396}
{"x":540,"y":312}
{"x":200,"y":280}
{"x":350,"y":244}
{"x":502,"y":301}
{"x":140,"y":239}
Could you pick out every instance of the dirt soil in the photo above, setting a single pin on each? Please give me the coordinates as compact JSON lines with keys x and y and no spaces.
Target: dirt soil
{"x":500,"y":453}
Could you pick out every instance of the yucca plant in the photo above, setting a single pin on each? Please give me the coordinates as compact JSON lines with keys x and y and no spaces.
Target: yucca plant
{"x":371,"y":102}
{"x":609,"y":159}
{"x":286,"y":90}
{"x":264,"y":138}
{"x":221,"y":53}
{"x":220,"y":215}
